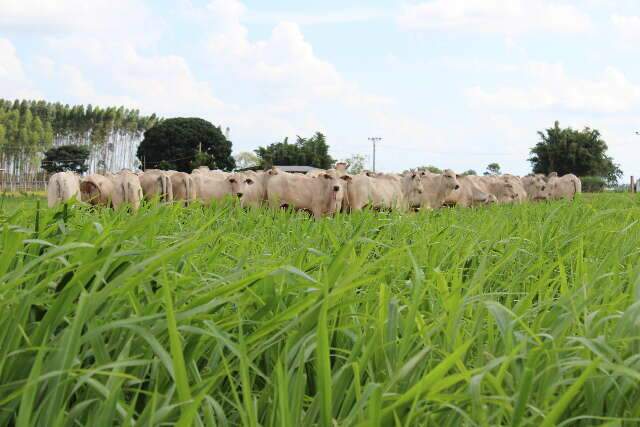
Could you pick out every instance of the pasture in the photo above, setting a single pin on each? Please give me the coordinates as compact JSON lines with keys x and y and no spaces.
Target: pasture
{"x":521,"y":315}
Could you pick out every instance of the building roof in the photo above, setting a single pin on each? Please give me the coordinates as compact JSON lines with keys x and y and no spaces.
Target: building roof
{"x":292,"y":169}
{"x":298,"y":169}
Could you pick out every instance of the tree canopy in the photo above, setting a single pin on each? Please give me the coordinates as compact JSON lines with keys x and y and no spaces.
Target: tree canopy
{"x":493,"y":169}
{"x":66,"y":158}
{"x":312,"y":151}
{"x":184,"y":144}
{"x":357,"y":163}
{"x":246,"y":159}
{"x":29,"y":128}
{"x":565,"y":150}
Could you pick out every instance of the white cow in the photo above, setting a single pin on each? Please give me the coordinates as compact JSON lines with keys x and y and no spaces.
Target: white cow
{"x":210,"y":187}
{"x":182,"y":186}
{"x":321,"y":195}
{"x":156,"y":183}
{"x":63,"y":186}
{"x":564,"y":187}
{"x":126,"y":190}
{"x":250,"y":187}
{"x":437,"y":187}
{"x":96,"y":190}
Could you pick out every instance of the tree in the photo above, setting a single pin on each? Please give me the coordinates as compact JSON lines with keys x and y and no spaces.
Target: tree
{"x":493,"y":169}
{"x":582,"y":153}
{"x":356,"y":163}
{"x":182,"y":143}
{"x":430,"y":168}
{"x":31,"y":127}
{"x":66,"y":158}
{"x":246,"y":159}
{"x":469,"y":172}
{"x":312,"y":151}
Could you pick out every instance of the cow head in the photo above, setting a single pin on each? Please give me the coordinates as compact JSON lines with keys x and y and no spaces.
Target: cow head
{"x":450,"y":180}
{"x":334,"y":191}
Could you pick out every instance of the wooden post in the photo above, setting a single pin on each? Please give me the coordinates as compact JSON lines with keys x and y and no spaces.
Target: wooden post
{"x":632,"y":185}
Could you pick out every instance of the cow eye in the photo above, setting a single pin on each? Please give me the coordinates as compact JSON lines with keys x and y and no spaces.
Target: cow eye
{"x":232,"y":180}
{"x":249,"y":181}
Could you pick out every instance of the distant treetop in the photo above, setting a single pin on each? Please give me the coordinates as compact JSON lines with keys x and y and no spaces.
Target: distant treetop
{"x":312,"y":151}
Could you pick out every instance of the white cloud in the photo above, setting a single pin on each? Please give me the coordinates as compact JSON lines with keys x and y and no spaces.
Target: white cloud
{"x":117,"y":19}
{"x":13,"y":80}
{"x":295,"y":86}
{"x":284,"y":62}
{"x":550,"y":87}
{"x":343,"y":16}
{"x":627,"y":27}
{"x":510,"y":17}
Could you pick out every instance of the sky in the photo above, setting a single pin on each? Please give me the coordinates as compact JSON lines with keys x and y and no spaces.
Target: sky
{"x":452,"y":83}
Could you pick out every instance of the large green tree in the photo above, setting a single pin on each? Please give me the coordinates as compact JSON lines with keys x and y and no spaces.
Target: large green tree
{"x":493,"y":169}
{"x":357,"y":163}
{"x":66,"y":158}
{"x":565,"y":150}
{"x":312,"y":151}
{"x":185,"y":143}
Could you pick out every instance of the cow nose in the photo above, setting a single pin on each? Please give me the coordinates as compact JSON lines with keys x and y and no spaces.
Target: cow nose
{"x":457,"y":186}
{"x":336,"y":188}
{"x":239,"y":195}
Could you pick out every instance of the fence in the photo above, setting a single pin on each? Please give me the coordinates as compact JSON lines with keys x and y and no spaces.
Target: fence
{"x":35,"y":182}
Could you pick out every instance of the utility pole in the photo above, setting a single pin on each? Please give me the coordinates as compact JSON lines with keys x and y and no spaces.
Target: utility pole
{"x":374,"y":140}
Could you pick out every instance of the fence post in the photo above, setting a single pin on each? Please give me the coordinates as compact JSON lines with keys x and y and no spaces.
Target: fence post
{"x":632,"y":185}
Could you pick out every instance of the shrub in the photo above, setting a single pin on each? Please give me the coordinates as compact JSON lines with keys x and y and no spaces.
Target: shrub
{"x":593,"y":184}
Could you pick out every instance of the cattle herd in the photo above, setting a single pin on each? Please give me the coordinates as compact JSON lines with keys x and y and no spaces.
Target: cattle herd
{"x":321,"y":192}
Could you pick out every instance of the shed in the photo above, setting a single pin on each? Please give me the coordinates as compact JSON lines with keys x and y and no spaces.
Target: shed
{"x":296,"y":169}
{"x":291,"y":169}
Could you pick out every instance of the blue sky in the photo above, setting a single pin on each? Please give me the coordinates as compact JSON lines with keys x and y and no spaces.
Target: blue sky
{"x":454,"y":83}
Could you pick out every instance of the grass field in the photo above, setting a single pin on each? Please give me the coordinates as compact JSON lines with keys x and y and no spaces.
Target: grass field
{"x":510,"y":315}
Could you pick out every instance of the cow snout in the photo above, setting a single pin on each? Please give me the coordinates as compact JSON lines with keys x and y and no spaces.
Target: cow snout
{"x":239,"y":195}
{"x":457,"y":187}
{"x":336,"y":188}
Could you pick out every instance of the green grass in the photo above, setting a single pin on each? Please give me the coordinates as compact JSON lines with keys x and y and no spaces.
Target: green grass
{"x":509,"y":315}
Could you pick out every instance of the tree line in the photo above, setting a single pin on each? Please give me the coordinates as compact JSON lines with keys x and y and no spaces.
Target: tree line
{"x":106,"y":139}
{"x":29,"y":128}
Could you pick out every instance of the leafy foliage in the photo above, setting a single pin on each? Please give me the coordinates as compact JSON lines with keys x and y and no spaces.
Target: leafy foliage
{"x":184,"y":144}
{"x":493,"y":169}
{"x":312,"y":151}
{"x":593,"y":184}
{"x":66,"y":158}
{"x":469,"y":172}
{"x":225,"y":316}
{"x":583,"y":153}
{"x":430,"y":168}
{"x":29,"y":128}
{"x":357,"y":163}
{"x":246,"y":159}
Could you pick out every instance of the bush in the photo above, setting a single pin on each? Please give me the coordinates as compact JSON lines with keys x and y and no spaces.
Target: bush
{"x":593,"y":184}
